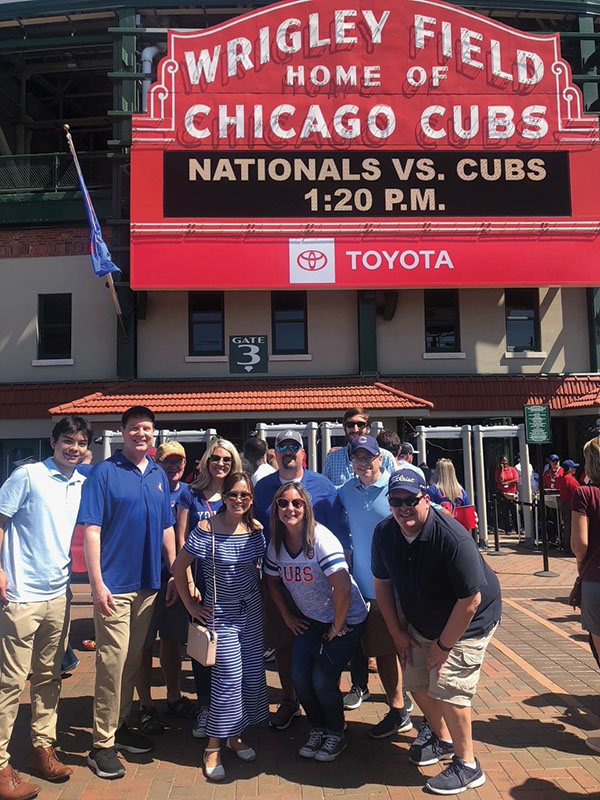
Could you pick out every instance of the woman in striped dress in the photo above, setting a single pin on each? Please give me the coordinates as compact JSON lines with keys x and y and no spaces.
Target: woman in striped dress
{"x":238,"y":688}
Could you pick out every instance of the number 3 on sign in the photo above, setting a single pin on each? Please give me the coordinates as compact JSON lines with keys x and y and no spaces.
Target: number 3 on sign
{"x":252,"y":351}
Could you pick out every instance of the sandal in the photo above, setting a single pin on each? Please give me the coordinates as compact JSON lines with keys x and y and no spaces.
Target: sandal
{"x":246,"y":753}
{"x":149,"y":721}
{"x":89,"y":644}
{"x":183,"y":707}
{"x":213,"y":773}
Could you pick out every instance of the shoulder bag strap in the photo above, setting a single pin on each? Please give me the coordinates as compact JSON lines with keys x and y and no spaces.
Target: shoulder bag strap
{"x":214,"y":572}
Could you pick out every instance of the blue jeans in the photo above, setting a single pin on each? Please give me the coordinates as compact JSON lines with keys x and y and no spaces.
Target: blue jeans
{"x":316,"y":669}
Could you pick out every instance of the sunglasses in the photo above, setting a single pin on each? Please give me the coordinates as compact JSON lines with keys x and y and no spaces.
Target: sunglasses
{"x":360,"y":425}
{"x":411,"y":502}
{"x":363,"y":459}
{"x":219,"y":460}
{"x":292,"y":448}
{"x":296,"y":503}
{"x":244,"y":496}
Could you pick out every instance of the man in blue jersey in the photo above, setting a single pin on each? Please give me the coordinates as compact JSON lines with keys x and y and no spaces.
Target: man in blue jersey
{"x":289,"y":452}
{"x":365,"y":501}
{"x":126,"y":510}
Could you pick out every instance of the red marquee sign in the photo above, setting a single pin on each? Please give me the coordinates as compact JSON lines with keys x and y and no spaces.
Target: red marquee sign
{"x":363,"y":145}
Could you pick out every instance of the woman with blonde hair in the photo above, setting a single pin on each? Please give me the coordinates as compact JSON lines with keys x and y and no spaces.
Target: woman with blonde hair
{"x":200,"y":501}
{"x":445,"y":490}
{"x":308,"y":560}
{"x":585,"y":544}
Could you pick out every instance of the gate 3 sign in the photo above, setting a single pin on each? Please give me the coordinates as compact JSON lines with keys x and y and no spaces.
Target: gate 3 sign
{"x":363,"y":145}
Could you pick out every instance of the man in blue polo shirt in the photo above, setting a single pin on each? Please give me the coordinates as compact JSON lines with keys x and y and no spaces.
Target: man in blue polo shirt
{"x":365,"y":501}
{"x":38,"y":510}
{"x":452,"y":604}
{"x":289,"y":452}
{"x":126,"y":510}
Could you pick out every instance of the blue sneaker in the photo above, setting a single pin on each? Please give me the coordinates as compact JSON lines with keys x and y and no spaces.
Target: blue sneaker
{"x":430,"y":752}
{"x":457,"y":778}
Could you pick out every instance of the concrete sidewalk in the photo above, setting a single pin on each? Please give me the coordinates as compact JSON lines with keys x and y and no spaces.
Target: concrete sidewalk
{"x":538,"y":699}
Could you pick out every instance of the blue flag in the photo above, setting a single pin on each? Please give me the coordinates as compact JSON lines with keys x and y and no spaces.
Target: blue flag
{"x":99,"y":253}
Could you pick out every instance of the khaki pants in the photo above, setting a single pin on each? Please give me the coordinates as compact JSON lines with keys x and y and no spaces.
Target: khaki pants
{"x":119,"y":643}
{"x":33,"y":636}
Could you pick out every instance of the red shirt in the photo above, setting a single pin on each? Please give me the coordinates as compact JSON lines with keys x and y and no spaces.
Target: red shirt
{"x":550,"y":477}
{"x":586,"y":501}
{"x":505,"y":478}
{"x":566,"y":485}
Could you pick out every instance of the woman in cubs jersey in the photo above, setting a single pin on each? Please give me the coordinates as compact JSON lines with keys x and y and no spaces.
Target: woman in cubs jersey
{"x":307,"y":560}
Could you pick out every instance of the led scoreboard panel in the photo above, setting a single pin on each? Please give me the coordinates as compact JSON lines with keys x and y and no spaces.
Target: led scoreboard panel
{"x":372,"y":145}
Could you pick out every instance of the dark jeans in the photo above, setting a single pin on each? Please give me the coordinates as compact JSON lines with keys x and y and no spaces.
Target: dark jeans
{"x":316,"y":669}
{"x":359,"y":668}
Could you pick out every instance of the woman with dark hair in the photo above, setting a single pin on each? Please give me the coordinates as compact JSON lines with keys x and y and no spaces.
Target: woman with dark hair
{"x":238,"y":695}
{"x":201,"y":500}
{"x":309,"y":561}
{"x":585,"y":544}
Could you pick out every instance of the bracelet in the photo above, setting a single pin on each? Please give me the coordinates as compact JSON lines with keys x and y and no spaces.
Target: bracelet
{"x":441,"y":646}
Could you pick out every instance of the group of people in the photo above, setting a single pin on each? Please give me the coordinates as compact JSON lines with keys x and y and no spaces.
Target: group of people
{"x":362,"y":561}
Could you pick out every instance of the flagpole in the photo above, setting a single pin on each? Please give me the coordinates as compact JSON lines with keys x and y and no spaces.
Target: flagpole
{"x":109,"y":278}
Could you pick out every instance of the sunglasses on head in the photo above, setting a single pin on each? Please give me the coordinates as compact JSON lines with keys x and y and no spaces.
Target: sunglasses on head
{"x":245,"y":496}
{"x":292,"y":448}
{"x":411,"y":502}
{"x":296,"y":503}
{"x":219,"y":460}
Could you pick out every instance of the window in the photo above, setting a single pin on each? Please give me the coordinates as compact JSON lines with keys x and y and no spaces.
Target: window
{"x":288,"y":322}
{"x":54,"y":326}
{"x":522,"y":320}
{"x":206,"y":324}
{"x":442,"y":324}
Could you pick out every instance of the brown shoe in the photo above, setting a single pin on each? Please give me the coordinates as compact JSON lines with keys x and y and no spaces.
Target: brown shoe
{"x":44,"y":762}
{"x":13,"y":787}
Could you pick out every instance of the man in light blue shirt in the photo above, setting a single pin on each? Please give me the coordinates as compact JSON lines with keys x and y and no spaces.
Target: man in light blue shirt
{"x":338,"y":467}
{"x":365,"y":501}
{"x":38,"y":511}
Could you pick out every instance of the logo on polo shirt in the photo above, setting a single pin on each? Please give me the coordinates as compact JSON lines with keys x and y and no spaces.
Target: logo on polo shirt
{"x":159,"y":486}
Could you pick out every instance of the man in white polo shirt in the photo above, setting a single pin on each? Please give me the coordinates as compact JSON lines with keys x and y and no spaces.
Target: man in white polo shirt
{"x":38,"y":510}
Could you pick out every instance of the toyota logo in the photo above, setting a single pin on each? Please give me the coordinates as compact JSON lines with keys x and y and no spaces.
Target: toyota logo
{"x":311,"y":260}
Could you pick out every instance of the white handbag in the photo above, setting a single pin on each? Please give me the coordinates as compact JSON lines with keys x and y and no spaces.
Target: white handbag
{"x":202,"y":641}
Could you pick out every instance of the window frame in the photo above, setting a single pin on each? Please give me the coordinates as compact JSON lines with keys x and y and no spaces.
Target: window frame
{"x":43,"y":328}
{"x":277,"y":350}
{"x":192,"y":350}
{"x":454,"y":293}
{"x":535,"y":307}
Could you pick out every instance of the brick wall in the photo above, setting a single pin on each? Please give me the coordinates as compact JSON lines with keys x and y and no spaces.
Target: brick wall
{"x":41,"y":242}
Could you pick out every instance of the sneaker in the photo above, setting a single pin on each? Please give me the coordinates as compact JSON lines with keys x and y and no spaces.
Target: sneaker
{"x":199,"y":729}
{"x":149,"y":721}
{"x":430,"y":752}
{"x":394,"y":722}
{"x":269,"y":654}
{"x":409,"y":706}
{"x":333,"y":745}
{"x":456,"y":778}
{"x":284,"y":716}
{"x":593,"y":742}
{"x":313,"y":744}
{"x":65,"y":671}
{"x":132,"y":742}
{"x":424,"y":734}
{"x":104,"y":762}
{"x":355,"y":697}
{"x":182,"y":707}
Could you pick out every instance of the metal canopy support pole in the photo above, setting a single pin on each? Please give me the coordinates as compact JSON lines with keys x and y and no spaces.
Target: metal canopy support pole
{"x":106,"y":448}
{"x":261,"y":431}
{"x":480,"y":483}
{"x":325,"y":428}
{"x":312,"y":429}
{"x":465,"y":435}
{"x":525,"y":493}
{"x":422,"y":443}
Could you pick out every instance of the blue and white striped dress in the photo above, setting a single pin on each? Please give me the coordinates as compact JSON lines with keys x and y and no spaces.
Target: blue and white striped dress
{"x":238,"y":695}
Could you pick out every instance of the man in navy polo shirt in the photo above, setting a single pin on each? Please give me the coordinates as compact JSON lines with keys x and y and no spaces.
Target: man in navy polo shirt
{"x":289,"y":452}
{"x":126,"y":510}
{"x":452,"y":604}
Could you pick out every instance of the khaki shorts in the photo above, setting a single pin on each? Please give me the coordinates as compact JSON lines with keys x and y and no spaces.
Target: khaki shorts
{"x":277,"y":634}
{"x":457,"y":683}
{"x":377,"y":640}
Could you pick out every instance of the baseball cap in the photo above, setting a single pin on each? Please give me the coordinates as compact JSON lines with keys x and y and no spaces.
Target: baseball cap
{"x":368,"y":443}
{"x":169,"y":449}
{"x":569,"y":463}
{"x":406,"y":449}
{"x":554,"y":457}
{"x":411,"y":480}
{"x":289,"y":436}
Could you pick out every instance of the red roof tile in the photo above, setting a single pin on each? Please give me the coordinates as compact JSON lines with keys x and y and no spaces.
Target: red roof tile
{"x":248,"y":396}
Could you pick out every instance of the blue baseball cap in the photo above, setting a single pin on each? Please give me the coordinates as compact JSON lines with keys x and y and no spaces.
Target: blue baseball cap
{"x":569,"y":463}
{"x":368,"y":443}
{"x":410,"y":480}
{"x":554,"y":457}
